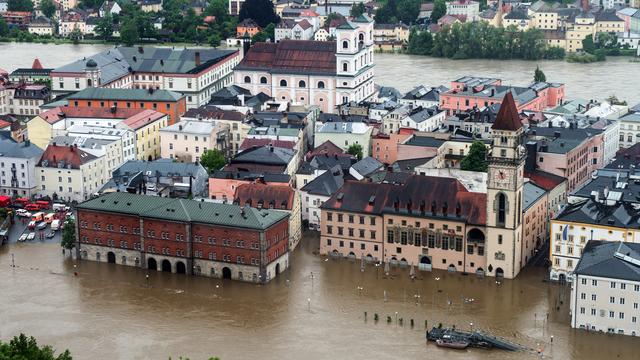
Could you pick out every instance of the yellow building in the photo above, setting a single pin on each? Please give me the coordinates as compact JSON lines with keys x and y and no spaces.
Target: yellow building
{"x":609,"y":22}
{"x":517,"y":18}
{"x":44,"y":127}
{"x":146,"y":125}
{"x":583,"y":26}
{"x":544,"y":16}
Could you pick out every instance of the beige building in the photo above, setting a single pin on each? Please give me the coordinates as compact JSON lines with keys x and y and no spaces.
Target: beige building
{"x":186,"y":141}
{"x":233,"y":120}
{"x":69,"y":173}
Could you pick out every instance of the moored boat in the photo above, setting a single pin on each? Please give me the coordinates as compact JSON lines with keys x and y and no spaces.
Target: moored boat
{"x":453,"y":344}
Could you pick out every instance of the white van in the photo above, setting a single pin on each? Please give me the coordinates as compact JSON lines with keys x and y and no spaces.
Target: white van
{"x":55,"y":225}
{"x":59,"y":207}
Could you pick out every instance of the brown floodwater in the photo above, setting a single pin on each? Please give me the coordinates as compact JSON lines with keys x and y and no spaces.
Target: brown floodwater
{"x":110,"y":312}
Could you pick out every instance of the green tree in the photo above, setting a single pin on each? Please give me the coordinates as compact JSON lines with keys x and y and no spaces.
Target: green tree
{"x":266,"y":33}
{"x":68,"y":235}
{"x":588,"y":45}
{"x":75,"y":35}
{"x":48,"y":8}
{"x":261,"y":11}
{"x":23,"y":347}
{"x":4,"y":28}
{"x":420,"y":43}
{"x":357,"y":9}
{"x":20,"y":5}
{"x":407,"y":10}
{"x":332,"y":16}
{"x":129,"y":32}
{"x":104,"y":27}
{"x":355,"y":150}
{"x":439,"y":9}
{"x":476,"y":159}
{"x":213,"y":159}
{"x":538,"y":75}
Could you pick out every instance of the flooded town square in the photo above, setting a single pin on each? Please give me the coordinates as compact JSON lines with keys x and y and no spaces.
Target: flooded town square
{"x":111,"y":311}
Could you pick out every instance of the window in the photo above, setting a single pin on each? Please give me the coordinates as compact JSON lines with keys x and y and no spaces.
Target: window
{"x":345,"y":67}
{"x":302,"y":84}
{"x":390,"y":236}
{"x":263,"y":80}
{"x":345,"y":44}
{"x":320,"y":84}
{"x":501,"y":208}
{"x":283,"y":83}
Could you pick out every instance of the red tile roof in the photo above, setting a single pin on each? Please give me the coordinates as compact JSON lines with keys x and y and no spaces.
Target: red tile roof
{"x":411,"y":198}
{"x":36,"y":64}
{"x":508,"y":117}
{"x":292,"y":56}
{"x":248,"y":143}
{"x":54,"y":115}
{"x":275,"y":196}
{"x":143,"y":119}
{"x":326,"y":147}
{"x":544,"y":179}
{"x":65,"y":156}
{"x":304,"y":24}
{"x":4,"y":124}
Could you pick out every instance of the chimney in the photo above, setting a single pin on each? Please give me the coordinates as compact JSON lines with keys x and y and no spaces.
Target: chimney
{"x":197,"y":58}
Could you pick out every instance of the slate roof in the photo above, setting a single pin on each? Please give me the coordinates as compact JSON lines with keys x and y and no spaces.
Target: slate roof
{"x":420,"y":114}
{"x":508,"y":117}
{"x":212,"y":113}
{"x":249,"y":143}
{"x":621,"y":215}
{"x":422,"y":93}
{"x":567,"y":140}
{"x":532,"y":193}
{"x":599,"y":259}
{"x":607,"y":16}
{"x":517,"y":14}
{"x":367,"y":166}
{"x":292,"y":57}
{"x":185,"y":210}
{"x":161,"y":167}
{"x":264,"y":155}
{"x":409,"y":165}
{"x":23,"y":150}
{"x":326,"y":184}
{"x":425,"y":141}
{"x":626,"y":157}
{"x":249,"y":176}
{"x":93,"y":93}
{"x":388,"y":91}
{"x":344,"y":128}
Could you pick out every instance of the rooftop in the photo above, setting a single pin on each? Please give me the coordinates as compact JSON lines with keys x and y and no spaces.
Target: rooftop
{"x":344,"y":128}
{"x":265,"y":196}
{"x":185,"y":210}
{"x":292,"y":57}
{"x":190,"y":127}
{"x":326,"y":184}
{"x":69,"y":157}
{"x":610,"y":259}
{"x":23,"y":150}
{"x":143,"y":119}
{"x":160,"y":167}
{"x":508,"y":117}
{"x":102,"y":93}
{"x":621,"y":215}
{"x":265,"y":155}
{"x":367,"y":166}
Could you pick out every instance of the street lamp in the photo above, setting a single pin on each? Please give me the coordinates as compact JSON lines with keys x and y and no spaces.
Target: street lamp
{"x":471,"y":326}
{"x":359,"y":288}
{"x":309,"y":303}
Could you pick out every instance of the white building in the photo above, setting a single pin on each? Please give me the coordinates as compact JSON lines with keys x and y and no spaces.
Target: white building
{"x":126,"y":137}
{"x":109,"y":7}
{"x":17,"y":167}
{"x":110,"y":150}
{"x":186,"y":140}
{"x":421,"y":119}
{"x":606,"y":291}
{"x":345,"y":134}
{"x":629,"y":130}
{"x":317,"y":191}
{"x":468,"y":8}
{"x":233,"y":120}
{"x":325,"y":74}
{"x":195,"y":73}
{"x":69,"y":173}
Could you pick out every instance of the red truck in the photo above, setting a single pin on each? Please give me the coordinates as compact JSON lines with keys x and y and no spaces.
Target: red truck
{"x":5,"y":201}
{"x":43,"y":204}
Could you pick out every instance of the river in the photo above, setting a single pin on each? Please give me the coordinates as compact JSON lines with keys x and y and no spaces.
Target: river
{"x":110,"y":312}
{"x":616,"y":76}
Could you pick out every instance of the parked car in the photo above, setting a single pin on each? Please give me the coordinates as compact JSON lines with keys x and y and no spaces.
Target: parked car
{"x":32,"y":225}
{"x":31,"y":236}
{"x":23,"y":213}
{"x":55,"y":225}
{"x":51,"y":234}
{"x":151,"y":187}
{"x":42,"y":225}
{"x":23,"y":238}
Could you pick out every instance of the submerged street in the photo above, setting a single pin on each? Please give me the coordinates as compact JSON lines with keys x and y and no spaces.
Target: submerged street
{"x":111,"y":311}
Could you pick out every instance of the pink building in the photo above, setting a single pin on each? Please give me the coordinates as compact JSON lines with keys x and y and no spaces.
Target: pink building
{"x":384,"y":148}
{"x":535,"y":221}
{"x":473,"y":92}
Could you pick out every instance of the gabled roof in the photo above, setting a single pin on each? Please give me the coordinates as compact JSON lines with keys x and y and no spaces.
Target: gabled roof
{"x":248,"y":23}
{"x":367,"y":166}
{"x":610,"y":259}
{"x":326,"y":184}
{"x":304,"y":24}
{"x":212,"y":113}
{"x":326,"y":148}
{"x":607,"y":16}
{"x":265,"y":196}
{"x":64,"y":156}
{"x":266,"y":155}
{"x":508,"y":117}
{"x":292,"y":57}
{"x":143,"y":119}
{"x":544,"y":179}
{"x":185,"y":210}
{"x":249,"y":143}
{"x":24,"y":150}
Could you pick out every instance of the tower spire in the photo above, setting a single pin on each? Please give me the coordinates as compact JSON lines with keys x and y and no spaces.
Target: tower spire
{"x":508,"y":117}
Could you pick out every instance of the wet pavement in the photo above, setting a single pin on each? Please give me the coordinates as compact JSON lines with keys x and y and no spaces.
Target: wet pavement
{"x":111,"y":312}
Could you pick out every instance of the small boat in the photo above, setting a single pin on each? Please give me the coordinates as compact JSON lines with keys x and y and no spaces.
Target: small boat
{"x":453,"y":344}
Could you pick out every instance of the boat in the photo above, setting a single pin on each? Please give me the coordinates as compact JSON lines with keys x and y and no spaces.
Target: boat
{"x":453,"y":344}
{"x":474,"y":339}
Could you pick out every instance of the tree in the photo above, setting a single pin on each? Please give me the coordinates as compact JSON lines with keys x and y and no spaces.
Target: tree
{"x":476,"y":159}
{"x":213,"y":159}
{"x":439,"y":9}
{"x":75,"y":35}
{"x":355,"y":150}
{"x":420,"y":43}
{"x":23,"y":347}
{"x":68,"y":235}
{"x":261,"y":11}
{"x":332,"y":16}
{"x":266,"y":33}
{"x":129,"y":32}
{"x":4,"y":28}
{"x":538,"y":75}
{"x":588,"y":44}
{"x":104,"y":27}
{"x":48,"y":8}
{"x":20,"y":5}
{"x":407,"y":10}
{"x":357,"y":9}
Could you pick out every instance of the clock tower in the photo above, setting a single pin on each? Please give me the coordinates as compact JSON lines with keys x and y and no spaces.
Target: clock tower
{"x":504,"y":192}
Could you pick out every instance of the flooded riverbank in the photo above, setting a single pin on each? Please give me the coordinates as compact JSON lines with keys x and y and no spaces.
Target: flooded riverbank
{"x":110,"y":311}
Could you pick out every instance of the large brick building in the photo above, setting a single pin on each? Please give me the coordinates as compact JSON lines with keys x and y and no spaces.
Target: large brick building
{"x":184,"y":236}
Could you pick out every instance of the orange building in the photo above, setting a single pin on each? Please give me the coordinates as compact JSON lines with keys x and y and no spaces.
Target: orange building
{"x":170,"y":103}
{"x":248,"y":27}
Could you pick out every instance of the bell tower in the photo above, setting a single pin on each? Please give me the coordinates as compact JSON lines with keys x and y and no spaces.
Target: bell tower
{"x":504,"y":192}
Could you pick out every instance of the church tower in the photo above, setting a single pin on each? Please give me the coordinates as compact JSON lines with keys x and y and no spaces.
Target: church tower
{"x":504,"y":192}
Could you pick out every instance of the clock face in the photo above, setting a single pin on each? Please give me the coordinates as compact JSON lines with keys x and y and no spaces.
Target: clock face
{"x":502,"y":176}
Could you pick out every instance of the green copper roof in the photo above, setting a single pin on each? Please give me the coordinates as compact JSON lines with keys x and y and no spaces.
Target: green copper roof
{"x":185,"y":210}
{"x":362,"y":18}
